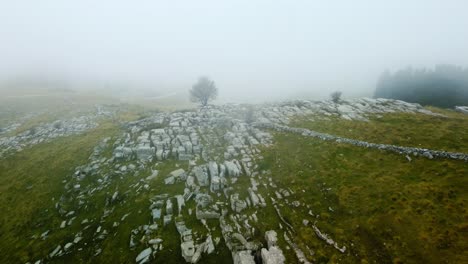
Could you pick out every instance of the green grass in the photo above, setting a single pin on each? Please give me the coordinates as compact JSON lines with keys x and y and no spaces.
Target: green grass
{"x":415,"y":130}
{"x":28,"y":182}
{"x":385,"y":209}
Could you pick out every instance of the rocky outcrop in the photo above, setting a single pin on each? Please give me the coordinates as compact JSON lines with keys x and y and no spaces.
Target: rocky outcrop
{"x":462,"y":109}
{"x":47,"y":132}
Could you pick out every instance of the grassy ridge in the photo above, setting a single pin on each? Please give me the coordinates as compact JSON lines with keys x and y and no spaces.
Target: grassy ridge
{"x":382,"y":207}
{"x":415,"y":130}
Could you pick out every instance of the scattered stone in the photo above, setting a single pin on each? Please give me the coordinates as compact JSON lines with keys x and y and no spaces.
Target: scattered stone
{"x":144,"y":256}
{"x":271,"y":237}
{"x":155,"y":241}
{"x":123,"y":217}
{"x":408,"y":158}
{"x":56,"y":251}
{"x":169,"y":180}
{"x":328,"y":239}
{"x":67,"y":246}
{"x":156,"y":213}
{"x":167,"y":219}
{"x":114,"y":196}
{"x":428,"y":155}
{"x":154,"y":175}
{"x":44,"y":235}
{"x":169,"y":207}
{"x":299,"y":253}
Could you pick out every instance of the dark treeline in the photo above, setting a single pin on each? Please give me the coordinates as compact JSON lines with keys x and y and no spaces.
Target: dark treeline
{"x":444,"y":86}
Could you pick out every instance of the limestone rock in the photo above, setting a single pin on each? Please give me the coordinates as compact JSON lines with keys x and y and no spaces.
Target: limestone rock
{"x":243,"y":257}
{"x":201,"y":176}
{"x":462,"y":109}
{"x":271,"y":237}
{"x":273,"y":255}
{"x":144,"y":256}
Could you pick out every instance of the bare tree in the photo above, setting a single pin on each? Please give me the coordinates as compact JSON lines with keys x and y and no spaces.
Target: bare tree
{"x":203,"y":91}
{"x":336,"y":96}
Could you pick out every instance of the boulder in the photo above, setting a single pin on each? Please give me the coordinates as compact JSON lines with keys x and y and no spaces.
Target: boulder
{"x":68,"y":246}
{"x":156,"y":213}
{"x":169,"y":180}
{"x":188,"y":250}
{"x":209,"y":245}
{"x":215,"y":184}
{"x":180,"y":203}
{"x":237,"y":205}
{"x":155,"y":241}
{"x":206,"y":214}
{"x":243,"y":257}
{"x":253,"y":197}
{"x":232,"y":169}
{"x":169,"y":206}
{"x":203,"y":200}
{"x":213,"y":168}
{"x":201,"y":176}
{"x":56,"y":251}
{"x":190,"y":183}
{"x":274,"y":255}
{"x":271,"y":237}
{"x":144,"y":256}
{"x":179,"y":174}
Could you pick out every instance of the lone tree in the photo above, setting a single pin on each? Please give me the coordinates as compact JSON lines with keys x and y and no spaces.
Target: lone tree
{"x":336,"y":96}
{"x":203,"y":91}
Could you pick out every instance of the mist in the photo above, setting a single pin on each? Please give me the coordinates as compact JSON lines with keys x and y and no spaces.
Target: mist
{"x":253,"y":50}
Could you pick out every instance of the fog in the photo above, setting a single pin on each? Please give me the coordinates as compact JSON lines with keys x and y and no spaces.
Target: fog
{"x":251,"y":49}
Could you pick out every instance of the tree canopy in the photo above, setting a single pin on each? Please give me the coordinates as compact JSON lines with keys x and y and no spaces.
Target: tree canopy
{"x":444,"y":86}
{"x":203,"y":91}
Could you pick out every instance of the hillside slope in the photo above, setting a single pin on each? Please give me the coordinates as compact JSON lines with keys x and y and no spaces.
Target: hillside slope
{"x":217,"y":184}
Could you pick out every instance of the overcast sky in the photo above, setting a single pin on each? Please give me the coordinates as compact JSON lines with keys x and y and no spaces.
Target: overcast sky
{"x":248,"y":47}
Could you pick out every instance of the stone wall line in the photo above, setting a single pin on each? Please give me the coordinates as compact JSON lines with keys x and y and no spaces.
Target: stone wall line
{"x":428,"y":153}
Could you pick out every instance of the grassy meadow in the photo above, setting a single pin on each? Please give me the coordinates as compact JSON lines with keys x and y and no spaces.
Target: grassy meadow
{"x":384,"y":208}
{"x":447,"y":132}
